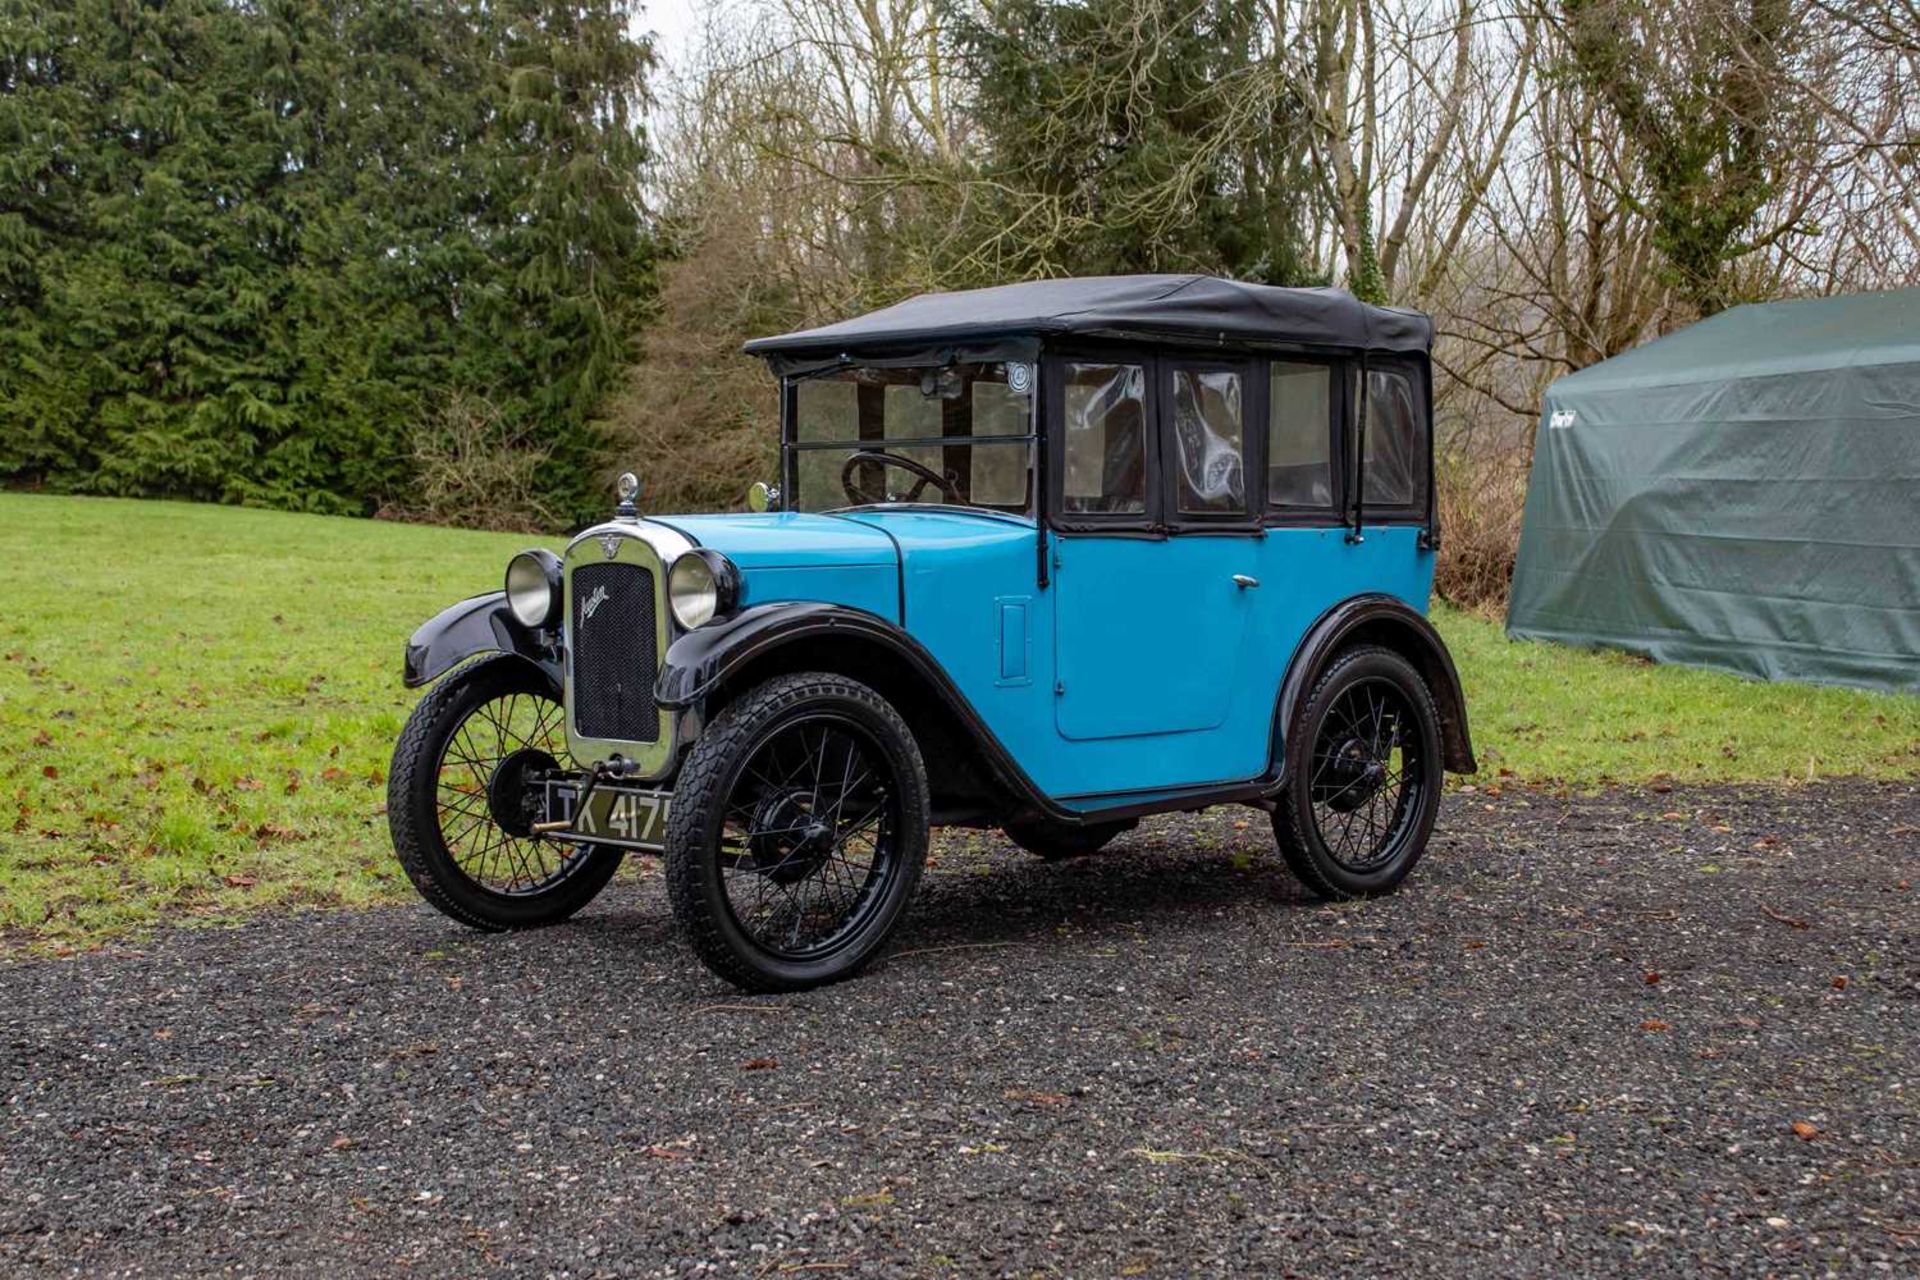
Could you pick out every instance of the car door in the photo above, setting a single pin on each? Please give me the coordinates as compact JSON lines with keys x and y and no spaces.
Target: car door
{"x":1310,"y":560}
{"x":1153,"y":552}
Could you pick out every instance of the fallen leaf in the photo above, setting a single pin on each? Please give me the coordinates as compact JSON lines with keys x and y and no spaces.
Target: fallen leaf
{"x":241,"y":882}
{"x":1474,"y":944}
{"x":760,"y":1064}
{"x":1652,"y":979}
{"x":1792,"y":922}
{"x":1042,"y":1099}
{"x":667,"y":1153}
{"x":1654,"y":1024}
{"x":1673,"y":815}
{"x":1804,"y":1131}
{"x":342,"y":1144}
{"x":1840,"y":982}
{"x":49,"y":771}
{"x":43,"y":739}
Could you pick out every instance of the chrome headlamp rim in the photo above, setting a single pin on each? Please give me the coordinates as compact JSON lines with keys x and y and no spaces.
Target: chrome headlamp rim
{"x":702,"y":585}
{"x":532,"y":587}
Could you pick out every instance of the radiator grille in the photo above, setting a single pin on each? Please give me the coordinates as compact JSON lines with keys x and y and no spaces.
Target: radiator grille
{"x":615,"y":653}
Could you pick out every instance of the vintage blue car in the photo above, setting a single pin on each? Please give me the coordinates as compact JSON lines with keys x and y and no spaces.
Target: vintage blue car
{"x":1048,"y":557}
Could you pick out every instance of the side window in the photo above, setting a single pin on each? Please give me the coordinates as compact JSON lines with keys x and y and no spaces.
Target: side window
{"x":1105,"y":432}
{"x":1396,"y":446}
{"x":1209,"y":440}
{"x":1299,"y":436}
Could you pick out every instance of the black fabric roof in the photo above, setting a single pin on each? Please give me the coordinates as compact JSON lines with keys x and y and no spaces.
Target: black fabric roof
{"x":1177,"y":307}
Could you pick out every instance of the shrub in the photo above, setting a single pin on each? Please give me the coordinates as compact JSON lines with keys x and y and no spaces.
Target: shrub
{"x":473,"y":470}
{"x":1482,"y":488}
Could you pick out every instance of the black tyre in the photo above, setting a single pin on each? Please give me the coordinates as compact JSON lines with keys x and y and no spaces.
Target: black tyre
{"x":456,"y":802}
{"x":1363,"y":776}
{"x":1057,"y":840}
{"x":797,"y":834}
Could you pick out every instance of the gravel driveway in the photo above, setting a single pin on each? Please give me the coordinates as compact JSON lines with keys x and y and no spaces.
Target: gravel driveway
{"x":1675,"y":1029}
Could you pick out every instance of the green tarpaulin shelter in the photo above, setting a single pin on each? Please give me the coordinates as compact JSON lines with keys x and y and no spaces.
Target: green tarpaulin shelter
{"x":1744,"y":493}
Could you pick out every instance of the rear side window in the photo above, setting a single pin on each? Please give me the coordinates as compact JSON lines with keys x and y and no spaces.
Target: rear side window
{"x":1396,"y":446}
{"x":1299,"y":436}
{"x":1207,"y":433}
{"x":1105,"y":430}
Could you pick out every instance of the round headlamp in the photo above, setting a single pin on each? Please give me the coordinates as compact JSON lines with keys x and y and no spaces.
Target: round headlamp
{"x":533,"y":588}
{"x":701,"y":586}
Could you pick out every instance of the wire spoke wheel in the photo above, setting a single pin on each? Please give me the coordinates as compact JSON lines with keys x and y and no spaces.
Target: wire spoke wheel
{"x":1366,"y":775}
{"x":464,"y":793}
{"x":1363,"y":781}
{"x":808,"y":837}
{"x":797,"y":834}
{"x":483,"y":797}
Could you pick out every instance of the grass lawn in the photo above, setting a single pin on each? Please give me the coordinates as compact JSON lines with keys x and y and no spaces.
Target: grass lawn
{"x":197,"y":706}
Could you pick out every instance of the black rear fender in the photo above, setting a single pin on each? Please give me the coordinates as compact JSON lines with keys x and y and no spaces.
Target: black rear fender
{"x":1391,"y":624}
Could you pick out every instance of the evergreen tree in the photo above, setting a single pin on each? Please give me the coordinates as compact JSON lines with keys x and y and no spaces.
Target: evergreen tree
{"x":1140,"y":135}
{"x":246,"y":250}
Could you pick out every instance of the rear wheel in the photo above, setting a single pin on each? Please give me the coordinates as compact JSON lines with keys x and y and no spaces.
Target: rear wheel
{"x":461,"y":804}
{"x":1057,"y":840}
{"x":1363,"y":776}
{"x":798,"y":830}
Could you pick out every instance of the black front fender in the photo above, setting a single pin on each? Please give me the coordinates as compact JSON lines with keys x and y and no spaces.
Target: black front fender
{"x":703,"y":658}
{"x":478,"y":625}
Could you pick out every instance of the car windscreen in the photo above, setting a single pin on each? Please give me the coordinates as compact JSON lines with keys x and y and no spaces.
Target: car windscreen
{"x":958,"y":434}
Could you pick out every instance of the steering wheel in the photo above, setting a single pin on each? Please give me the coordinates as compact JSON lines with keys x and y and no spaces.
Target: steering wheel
{"x":927,"y":476}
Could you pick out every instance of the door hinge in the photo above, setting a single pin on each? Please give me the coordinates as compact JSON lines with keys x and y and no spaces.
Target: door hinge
{"x":1059,"y":688}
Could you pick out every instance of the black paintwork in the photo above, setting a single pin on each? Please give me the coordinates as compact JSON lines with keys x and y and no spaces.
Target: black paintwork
{"x":481,"y":624}
{"x":1384,"y":620}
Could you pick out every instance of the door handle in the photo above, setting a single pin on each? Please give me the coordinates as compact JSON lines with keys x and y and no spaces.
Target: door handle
{"x":1245,"y":580}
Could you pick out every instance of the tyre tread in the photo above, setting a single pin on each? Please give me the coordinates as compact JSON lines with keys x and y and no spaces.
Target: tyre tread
{"x":413,"y":753}
{"x":1291,"y":820}
{"x":697,"y":791}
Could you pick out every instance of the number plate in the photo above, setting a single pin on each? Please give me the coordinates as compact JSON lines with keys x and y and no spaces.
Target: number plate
{"x":624,"y":816}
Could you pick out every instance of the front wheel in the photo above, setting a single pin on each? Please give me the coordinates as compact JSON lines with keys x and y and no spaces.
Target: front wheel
{"x":798,"y":830}
{"x":461,"y":802}
{"x":1363,"y":776}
